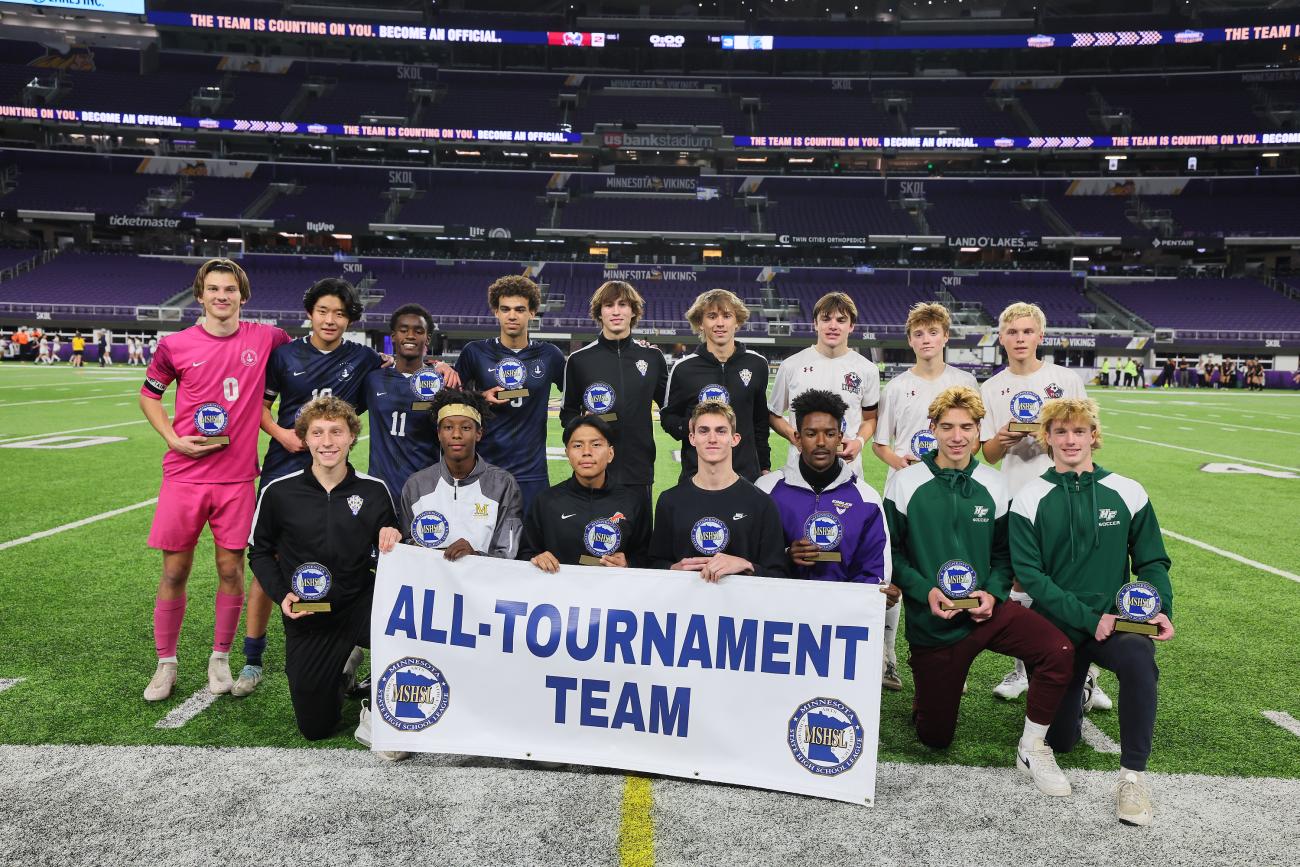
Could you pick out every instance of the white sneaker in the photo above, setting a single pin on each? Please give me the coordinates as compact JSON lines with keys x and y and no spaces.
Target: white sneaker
{"x":249,"y":678}
{"x":1133,"y":799}
{"x":890,"y":679}
{"x":1037,"y":759}
{"x":1093,"y":696}
{"x":1012,"y":686}
{"x":363,"y":737}
{"x":161,"y":684}
{"x":350,"y":669}
{"x":219,"y":680}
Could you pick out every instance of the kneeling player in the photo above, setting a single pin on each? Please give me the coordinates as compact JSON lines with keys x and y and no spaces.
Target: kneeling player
{"x":824,"y":506}
{"x":587,"y":519}
{"x":1109,"y":524}
{"x":462,"y":504}
{"x":948,"y":528}
{"x":714,"y":522}
{"x":314,"y":539}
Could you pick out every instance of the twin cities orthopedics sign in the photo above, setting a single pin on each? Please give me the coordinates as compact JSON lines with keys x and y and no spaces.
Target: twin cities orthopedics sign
{"x":754,"y":681}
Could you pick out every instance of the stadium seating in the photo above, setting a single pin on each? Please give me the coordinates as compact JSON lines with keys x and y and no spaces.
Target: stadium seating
{"x":1234,"y":304}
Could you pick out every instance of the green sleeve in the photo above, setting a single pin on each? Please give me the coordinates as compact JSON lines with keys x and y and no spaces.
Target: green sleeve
{"x":1150,"y":561}
{"x":1000,"y":572}
{"x":906,"y":576}
{"x":1027,"y":560}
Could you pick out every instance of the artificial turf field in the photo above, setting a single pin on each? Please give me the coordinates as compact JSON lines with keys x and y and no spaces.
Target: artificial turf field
{"x":76,"y":628}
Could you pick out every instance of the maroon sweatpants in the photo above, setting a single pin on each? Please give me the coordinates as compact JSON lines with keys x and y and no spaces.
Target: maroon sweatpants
{"x":1013,"y":630}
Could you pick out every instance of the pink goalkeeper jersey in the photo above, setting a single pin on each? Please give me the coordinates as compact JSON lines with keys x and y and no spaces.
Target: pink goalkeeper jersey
{"x":227,"y":371}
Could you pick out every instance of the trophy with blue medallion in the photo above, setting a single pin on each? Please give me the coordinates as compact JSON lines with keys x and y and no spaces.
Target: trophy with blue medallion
{"x":599,"y":399}
{"x":210,"y":420}
{"x":1025,"y":407}
{"x":512,"y":376}
{"x":957,"y":580}
{"x":425,"y":382}
{"x":601,"y":537}
{"x":311,"y":582}
{"x":826,"y":531}
{"x":1138,"y":603}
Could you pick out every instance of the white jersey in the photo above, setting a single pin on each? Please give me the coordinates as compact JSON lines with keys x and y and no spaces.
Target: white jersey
{"x":904,"y":420}
{"x":1008,"y":397}
{"x":851,"y":376}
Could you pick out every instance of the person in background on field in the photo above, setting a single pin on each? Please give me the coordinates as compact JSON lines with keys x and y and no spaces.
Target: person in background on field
{"x":78,"y":350}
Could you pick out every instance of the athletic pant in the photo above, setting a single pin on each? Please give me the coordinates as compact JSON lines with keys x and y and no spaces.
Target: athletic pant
{"x":1133,"y":659}
{"x":1013,"y":630}
{"x":530,"y":488}
{"x":314,"y":655}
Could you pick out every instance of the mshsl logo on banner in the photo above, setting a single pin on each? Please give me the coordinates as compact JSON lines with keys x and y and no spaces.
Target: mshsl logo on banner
{"x":753,"y":681}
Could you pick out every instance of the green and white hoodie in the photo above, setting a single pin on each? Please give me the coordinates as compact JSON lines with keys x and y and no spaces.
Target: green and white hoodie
{"x":1074,"y":538}
{"x":937,"y":515}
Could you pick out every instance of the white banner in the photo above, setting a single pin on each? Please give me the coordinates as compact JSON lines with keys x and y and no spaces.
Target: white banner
{"x":760,"y":682}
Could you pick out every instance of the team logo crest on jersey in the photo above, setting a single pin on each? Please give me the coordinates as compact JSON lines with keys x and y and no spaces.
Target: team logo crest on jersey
{"x":1025,"y":406}
{"x":745,"y":376}
{"x":710,"y":536}
{"x":1053,"y":390}
{"x":426,"y":382}
{"x":981,"y":515}
{"x":345,"y":373}
{"x":825,"y":736}
{"x":211,"y":419}
{"x":957,"y":579}
{"x":412,"y":694}
{"x":852,"y":383}
{"x":481,"y":510}
{"x":1107,"y":517}
{"x":311,"y":581}
{"x":824,"y":530}
{"x":923,"y":442}
{"x":841,"y":506}
{"x":713,"y":391}
{"x":511,"y":372}
{"x":430,"y":529}
{"x":538,"y":371}
{"x":598,"y":397}
{"x":355,"y":503}
{"x":602,"y":537}
{"x":249,"y":357}
{"x":642,"y":366}
{"x":1138,"y":601}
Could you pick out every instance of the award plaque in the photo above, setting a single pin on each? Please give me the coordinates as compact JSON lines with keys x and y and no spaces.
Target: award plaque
{"x":599,"y":399}
{"x":430,"y":529}
{"x":425,"y":382}
{"x":512,"y":375}
{"x":210,"y":420}
{"x":1025,"y":407}
{"x":601,"y":537}
{"x":1137,"y":603}
{"x":958,"y":580}
{"x":923,"y":442}
{"x":826,"y":531}
{"x":311,"y":582}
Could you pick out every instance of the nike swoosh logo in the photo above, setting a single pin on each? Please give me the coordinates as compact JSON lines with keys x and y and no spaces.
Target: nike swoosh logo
{"x":570,"y":515}
{"x":197,"y":363}
{"x":380,"y":393}
{"x":738,"y":516}
{"x":299,"y":372}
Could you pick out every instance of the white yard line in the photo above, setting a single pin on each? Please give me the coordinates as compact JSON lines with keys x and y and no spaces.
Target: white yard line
{"x":1263,"y":567}
{"x":1290,"y":433}
{"x":68,"y":399}
{"x":1201,"y":452}
{"x":97,"y":427}
{"x":187,"y":710}
{"x":12,"y":543}
{"x":1283,"y":719}
{"x":1098,"y":739}
{"x":8,"y":682}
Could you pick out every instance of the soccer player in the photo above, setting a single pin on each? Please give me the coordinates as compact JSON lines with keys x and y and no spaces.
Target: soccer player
{"x":79,"y":350}
{"x":515,"y":438}
{"x":716,"y":522}
{"x":315,"y":538}
{"x":948,"y":517}
{"x":462,"y":504}
{"x":822,"y":496}
{"x":1017,"y":394}
{"x":903,"y":434}
{"x":587,"y":514}
{"x":615,"y":374}
{"x":220,"y":370}
{"x":721,"y":369}
{"x":1111,"y":530}
{"x":829,"y":365}
{"x":403,"y":440}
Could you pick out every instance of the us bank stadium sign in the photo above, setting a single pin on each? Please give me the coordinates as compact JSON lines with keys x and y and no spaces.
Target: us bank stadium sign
{"x":676,"y":140}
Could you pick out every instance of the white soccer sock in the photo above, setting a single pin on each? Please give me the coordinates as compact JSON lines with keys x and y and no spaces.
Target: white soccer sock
{"x":170,"y":659}
{"x":1033,"y":732}
{"x":217,"y":654}
{"x":1022,"y":597}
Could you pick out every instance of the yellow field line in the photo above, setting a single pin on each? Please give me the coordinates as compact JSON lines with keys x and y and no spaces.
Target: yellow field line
{"x":636,"y":839}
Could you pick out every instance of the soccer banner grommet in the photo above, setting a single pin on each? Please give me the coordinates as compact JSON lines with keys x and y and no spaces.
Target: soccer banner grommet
{"x":753,"y":681}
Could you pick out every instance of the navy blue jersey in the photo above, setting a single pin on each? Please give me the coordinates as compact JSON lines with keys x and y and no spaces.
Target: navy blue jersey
{"x":299,"y":372}
{"x":515,"y":438}
{"x":402,"y":440}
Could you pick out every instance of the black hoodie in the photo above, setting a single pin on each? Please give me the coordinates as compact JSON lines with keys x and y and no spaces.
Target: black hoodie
{"x":743,"y":379}
{"x":559,"y":518}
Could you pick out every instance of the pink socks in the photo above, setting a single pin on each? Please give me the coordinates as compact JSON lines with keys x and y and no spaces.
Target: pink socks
{"x":227,"y":621}
{"x":167,"y":617}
